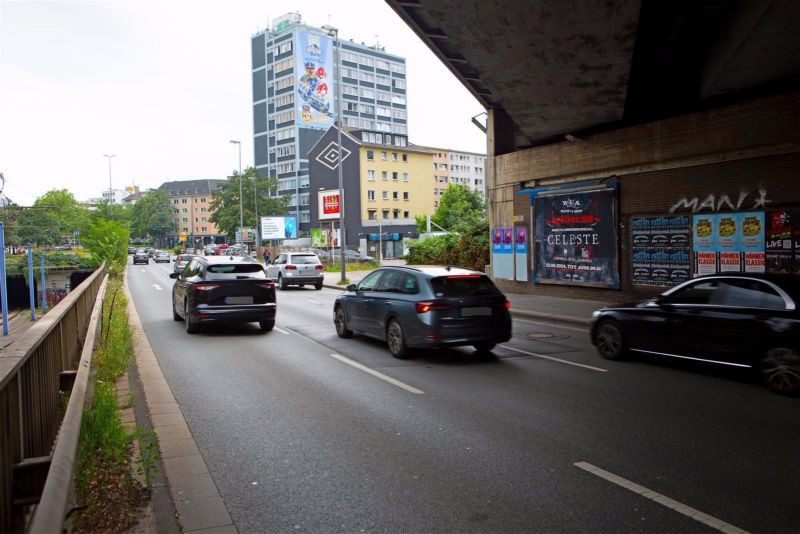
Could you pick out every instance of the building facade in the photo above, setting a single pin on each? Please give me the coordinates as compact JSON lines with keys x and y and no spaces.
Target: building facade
{"x":385,"y":188}
{"x":454,"y":167}
{"x":294,"y":68}
{"x":191,"y":210}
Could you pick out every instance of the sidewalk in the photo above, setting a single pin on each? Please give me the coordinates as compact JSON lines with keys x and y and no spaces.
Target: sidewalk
{"x":576,"y":312}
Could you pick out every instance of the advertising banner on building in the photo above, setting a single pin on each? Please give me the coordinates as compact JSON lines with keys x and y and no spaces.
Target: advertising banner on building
{"x":328,"y":204}
{"x":783,"y":241}
{"x":661,"y":248}
{"x":728,"y":242}
{"x":575,"y":238}
{"x":314,"y":80}
{"x":279,"y":227}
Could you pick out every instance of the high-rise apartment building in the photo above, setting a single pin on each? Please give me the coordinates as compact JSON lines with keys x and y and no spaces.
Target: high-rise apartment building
{"x":294,"y":89}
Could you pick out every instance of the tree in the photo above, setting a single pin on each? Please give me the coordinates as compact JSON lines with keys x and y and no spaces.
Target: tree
{"x":38,"y":226}
{"x":70,"y":216}
{"x":152,"y":215}
{"x":225,"y":201}
{"x":108,"y":241}
{"x":457,"y":205}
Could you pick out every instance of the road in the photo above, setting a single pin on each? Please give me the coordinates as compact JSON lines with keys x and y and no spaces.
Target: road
{"x":303,"y":431}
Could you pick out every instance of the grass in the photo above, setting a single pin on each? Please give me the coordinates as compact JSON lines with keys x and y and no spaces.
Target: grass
{"x":107,"y":491}
{"x":350,"y":266}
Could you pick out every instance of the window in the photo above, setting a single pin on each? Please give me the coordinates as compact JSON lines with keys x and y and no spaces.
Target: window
{"x":394,"y":176}
{"x":396,"y":214}
{"x":285,"y":150}
{"x":400,"y":141}
{"x":384,"y":195}
{"x":405,"y":195}
{"x":400,"y":128}
{"x":371,"y":194}
{"x":367,"y":77}
{"x":349,"y":56}
{"x":370,"y":281}
{"x":699,"y":293}
{"x":399,"y":114}
{"x":184,"y":210}
{"x":367,"y":93}
{"x":372,"y":214}
{"x":370,"y":156}
{"x":286,"y":167}
{"x":371,"y":175}
{"x":349,"y":90}
{"x":381,"y":64}
{"x":398,"y":68}
{"x":405,"y":176}
{"x":384,"y":175}
{"x":368,"y":61}
{"x":385,"y":214}
{"x":394,"y":156}
{"x":351,"y":106}
{"x":283,"y":83}
{"x":746,"y":293}
{"x":399,"y":99}
{"x":284,"y":133}
{"x":183,"y":201}
{"x":385,"y":112}
{"x":284,"y":100}
{"x":405,"y":214}
{"x":398,"y":84}
{"x":366,"y":108}
{"x":204,"y":229}
{"x":383,"y":80}
{"x":383,"y":95}
{"x":350,"y":73}
{"x":395,"y":196}
{"x":285,"y":47}
{"x":284,"y":64}
{"x":383,"y":155}
{"x":285,"y":116}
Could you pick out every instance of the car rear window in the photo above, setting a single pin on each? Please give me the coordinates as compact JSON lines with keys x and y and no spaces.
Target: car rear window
{"x":304,"y":258}
{"x":246,"y":270}
{"x":463,"y":286}
{"x":185,"y":257}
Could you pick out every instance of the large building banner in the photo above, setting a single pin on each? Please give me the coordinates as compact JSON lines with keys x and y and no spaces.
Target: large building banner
{"x":314,"y":80}
{"x":576,"y":239}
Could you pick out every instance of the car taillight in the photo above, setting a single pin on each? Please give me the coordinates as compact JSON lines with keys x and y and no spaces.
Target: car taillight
{"x":319,"y":266}
{"x":291,"y":267}
{"x":464,"y":276}
{"x":205,"y":286}
{"x":266,"y":285}
{"x":508,"y":304}
{"x":428,"y":305}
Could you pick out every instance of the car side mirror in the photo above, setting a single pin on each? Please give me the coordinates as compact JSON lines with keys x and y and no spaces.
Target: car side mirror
{"x":351,"y":287}
{"x":174,"y":275}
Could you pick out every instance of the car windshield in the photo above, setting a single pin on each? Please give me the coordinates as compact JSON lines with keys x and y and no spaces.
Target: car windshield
{"x":463,"y":286}
{"x":185,"y":257}
{"x":304,"y":258}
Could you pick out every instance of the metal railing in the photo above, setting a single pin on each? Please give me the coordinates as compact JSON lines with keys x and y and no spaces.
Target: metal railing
{"x":35,"y":371}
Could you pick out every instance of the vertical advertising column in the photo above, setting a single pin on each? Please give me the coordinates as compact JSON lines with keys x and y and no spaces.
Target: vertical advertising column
{"x":521,"y":253}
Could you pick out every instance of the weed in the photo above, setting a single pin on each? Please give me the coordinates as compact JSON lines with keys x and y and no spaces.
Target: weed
{"x":148,"y":462}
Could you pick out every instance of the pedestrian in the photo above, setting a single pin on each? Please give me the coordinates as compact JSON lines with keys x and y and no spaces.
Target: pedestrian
{"x":266,"y":255}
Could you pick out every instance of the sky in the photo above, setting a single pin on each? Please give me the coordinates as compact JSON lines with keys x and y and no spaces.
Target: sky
{"x":164,"y":85}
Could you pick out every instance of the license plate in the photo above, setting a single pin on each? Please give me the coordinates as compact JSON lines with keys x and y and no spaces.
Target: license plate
{"x":476,"y":311}
{"x":238,"y":300}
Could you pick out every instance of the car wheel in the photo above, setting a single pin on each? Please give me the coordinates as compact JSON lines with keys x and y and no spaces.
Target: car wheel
{"x":397,"y":341}
{"x":318,"y":286}
{"x":175,"y":316}
{"x":266,"y":326}
{"x":191,"y":326}
{"x":609,"y":341}
{"x":484,"y":347}
{"x":341,"y":323}
{"x":281,"y":282}
{"x":780,"y":371}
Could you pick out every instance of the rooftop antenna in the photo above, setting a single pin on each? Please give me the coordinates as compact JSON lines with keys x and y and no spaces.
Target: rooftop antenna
{"x":377,"y":42}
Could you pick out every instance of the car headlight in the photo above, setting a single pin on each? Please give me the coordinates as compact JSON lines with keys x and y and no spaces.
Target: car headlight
{"x":596,"y":314}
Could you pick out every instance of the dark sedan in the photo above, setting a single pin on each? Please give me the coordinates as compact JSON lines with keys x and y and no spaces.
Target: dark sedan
{"x":223,"y":289}
{"x":748,"y":321}
{"x":141,"y":257}
{"x":412,"y":307}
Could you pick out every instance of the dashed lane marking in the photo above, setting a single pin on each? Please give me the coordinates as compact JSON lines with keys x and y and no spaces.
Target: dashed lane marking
{"x":559,"y":360}
{"x":281,"y":330}
{"x":377,"y":374}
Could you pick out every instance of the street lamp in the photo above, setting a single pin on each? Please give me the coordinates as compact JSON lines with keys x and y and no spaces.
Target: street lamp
{"x":334,"y":32}
{"x":110,"y":191}
{"x":241,"y":211}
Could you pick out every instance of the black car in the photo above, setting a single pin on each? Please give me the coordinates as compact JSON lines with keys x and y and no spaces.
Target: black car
{"x":413,"y":307}
{"x":748,"y":321}
{"x":223,"y":289}
{"x":141,"y":257}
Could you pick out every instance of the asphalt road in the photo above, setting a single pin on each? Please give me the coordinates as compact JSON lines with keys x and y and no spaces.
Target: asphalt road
{"x":303,"y":431}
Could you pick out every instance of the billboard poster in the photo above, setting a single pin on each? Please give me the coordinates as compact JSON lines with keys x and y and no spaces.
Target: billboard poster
{"x":660,"y":254}
{"x":704,"y":242}
{"x":782,"y":242}
{"x":314,"y":80}
{"x":279,"y":227}
{"x":319,"y":238}
{"x":328,"y":204}
{"x":521,"y":239}
{"x":521,"y":253}
{"x":575,"y":238}
{"x":497,"y":240}
{"x":751,"y":241}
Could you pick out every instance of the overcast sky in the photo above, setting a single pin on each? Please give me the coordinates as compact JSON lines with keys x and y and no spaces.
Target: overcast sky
{"x":165,"y":84}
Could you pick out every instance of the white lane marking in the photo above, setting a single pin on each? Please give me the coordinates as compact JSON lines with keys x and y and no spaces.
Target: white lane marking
{"x":158,"y":287}
{"x":314,"y":301}
{"x":145,"y":270}
{"x":282,"y":331}
{"x":377,"y":374}
{"x":552,"y":325}
{"x":559,"y":360}
{"x":663,"y":500}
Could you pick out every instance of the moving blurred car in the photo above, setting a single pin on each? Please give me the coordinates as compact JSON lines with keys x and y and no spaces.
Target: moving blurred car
{"x":220,"y":249}
{"x":161,"y":257}
{"x":181,"y":261}
{"x":296,"y":269}
{"x":351,"y":255}
{"x":412,"y":307}
{"x":141,"y":257}
{"x":215,"y":289}
{"x":744,"y":320}
{"x":131,"y":250}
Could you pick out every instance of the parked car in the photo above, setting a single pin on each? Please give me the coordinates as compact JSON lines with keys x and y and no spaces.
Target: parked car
{"x":141,"y":257}
{"x":351,"y":255}
{"x":744,"y":320}
{"x":215,"y":289}
{"x":131,"y":250}
{"x":220,"y":250}
{"x":414,"y":307}
{"x":190,"y":251}
{"x":161,"y":257}
{"x":209,"y":250}
{"x":296,"y":269}
{"x":181,"y":261}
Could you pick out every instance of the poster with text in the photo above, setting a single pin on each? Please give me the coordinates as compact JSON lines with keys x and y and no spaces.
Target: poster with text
{"x":751,"y":241}
{"x":575,"y":239}
{"x":660,"y":252}
{"x":314,"y":80}
{"x":704,"y":243}
{"x":279,"y":227}
{"x":502,"y":253}
{"x":782,"y":242}
{"x":521,"y":253}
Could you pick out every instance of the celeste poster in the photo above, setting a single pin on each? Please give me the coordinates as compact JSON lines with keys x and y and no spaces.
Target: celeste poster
{"x":575,"y":239}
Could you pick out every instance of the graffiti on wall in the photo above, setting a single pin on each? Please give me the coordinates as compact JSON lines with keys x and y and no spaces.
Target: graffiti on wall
{"x":714,"y":202}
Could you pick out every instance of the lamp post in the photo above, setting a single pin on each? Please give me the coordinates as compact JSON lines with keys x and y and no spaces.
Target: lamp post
{"x":110,"y":190}
{"x":334,"y":32}
{"x":241,"y":211}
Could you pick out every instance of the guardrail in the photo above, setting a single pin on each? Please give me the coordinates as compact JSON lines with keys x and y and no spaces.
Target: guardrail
{"x":35,"y":371}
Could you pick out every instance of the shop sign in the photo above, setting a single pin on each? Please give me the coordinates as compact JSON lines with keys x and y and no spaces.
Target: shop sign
{"x":661,"y":246}
{"x":576,"y":239}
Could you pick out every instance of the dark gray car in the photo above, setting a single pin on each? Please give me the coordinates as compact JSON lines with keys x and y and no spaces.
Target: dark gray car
{"x":413,"y":307}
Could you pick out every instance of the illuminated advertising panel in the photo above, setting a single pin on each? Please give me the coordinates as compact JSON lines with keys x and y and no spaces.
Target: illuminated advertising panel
{"x":314,"y":80}
{"x":328,"y":203}
{"x":279,"y":227}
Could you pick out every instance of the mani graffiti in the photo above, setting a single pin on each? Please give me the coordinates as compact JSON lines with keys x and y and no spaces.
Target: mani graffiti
{"x":716,"y":203}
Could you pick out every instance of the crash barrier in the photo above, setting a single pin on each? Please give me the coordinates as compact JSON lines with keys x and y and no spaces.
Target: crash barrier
{"x":36,"y":371}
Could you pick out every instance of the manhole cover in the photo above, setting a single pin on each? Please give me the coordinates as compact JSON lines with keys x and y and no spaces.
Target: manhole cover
{"x":546,"y":335}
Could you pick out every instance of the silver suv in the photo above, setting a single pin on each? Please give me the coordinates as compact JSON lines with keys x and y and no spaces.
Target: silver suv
{"x":296,"y":269}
